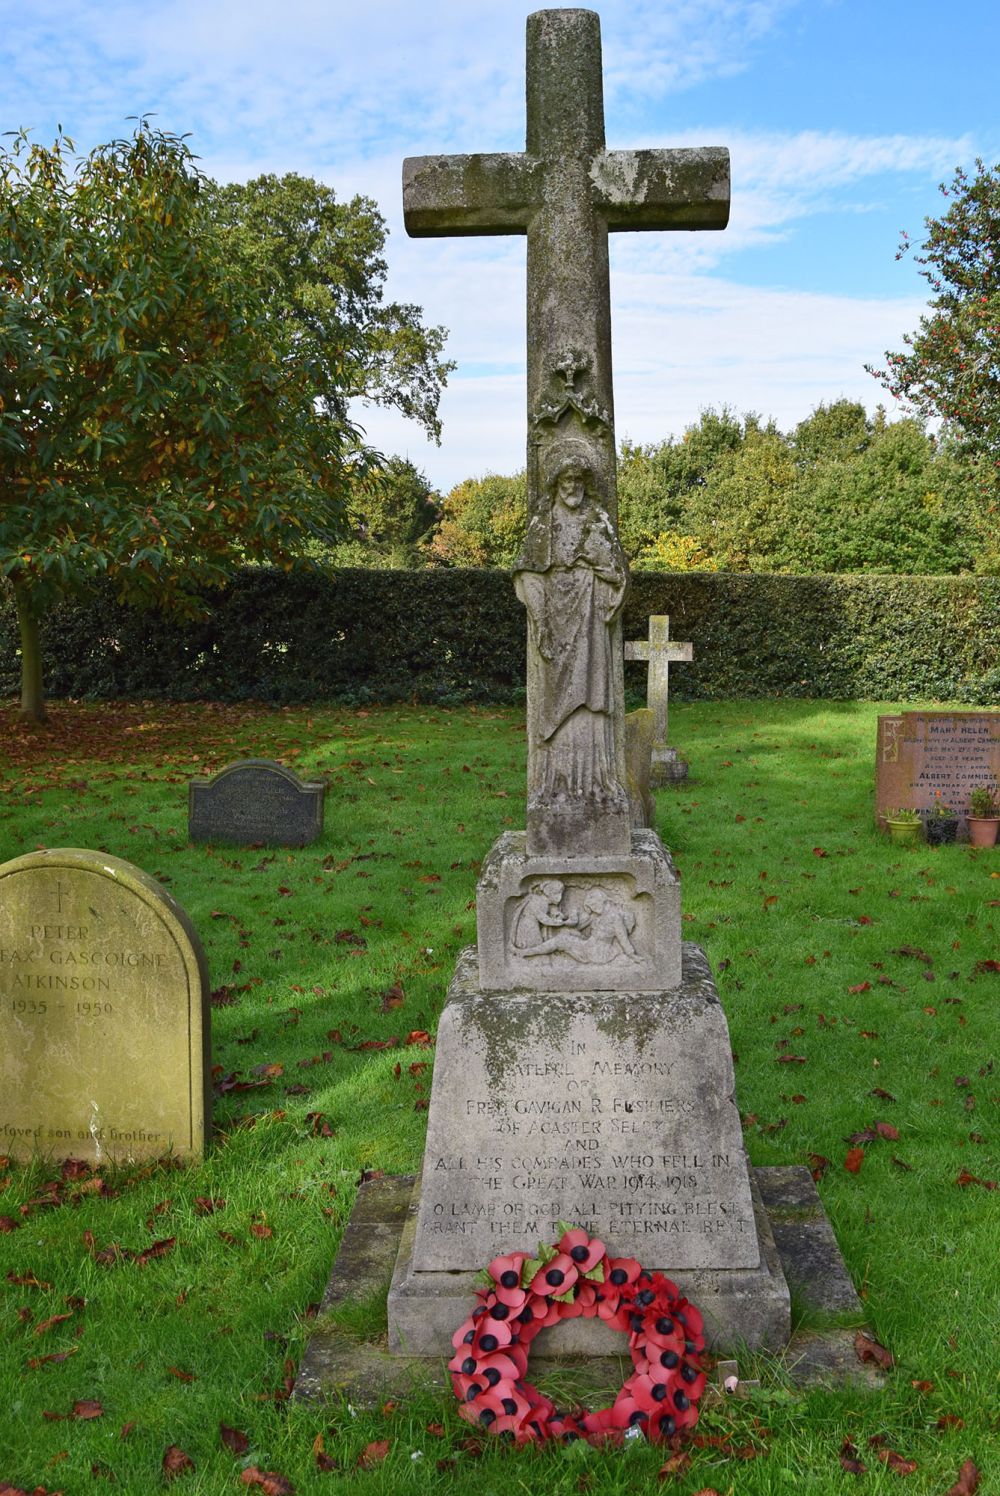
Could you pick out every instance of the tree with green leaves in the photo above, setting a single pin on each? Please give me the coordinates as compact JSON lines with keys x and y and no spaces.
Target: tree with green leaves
{"x":151,"y":431}
{"x":951,"y":366}
{"x":392,"y":511}
{"x":482,"y":522}
{"x":319,"y":269}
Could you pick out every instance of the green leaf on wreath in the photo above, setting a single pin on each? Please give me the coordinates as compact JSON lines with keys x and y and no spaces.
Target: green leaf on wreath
{"x":484,"y":1279}
{"x":563,"y":1226}
{"x":529,"y":1268}
{"x":596,"y":1274}
{"x":563,"y":1298}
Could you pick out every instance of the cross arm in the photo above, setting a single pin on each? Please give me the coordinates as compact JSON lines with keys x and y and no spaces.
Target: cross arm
{"x":680,"y":189}
{"x":479,"y":194}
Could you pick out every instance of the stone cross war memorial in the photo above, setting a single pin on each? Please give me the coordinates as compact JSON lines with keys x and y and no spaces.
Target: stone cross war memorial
{"x":583,"y":1068}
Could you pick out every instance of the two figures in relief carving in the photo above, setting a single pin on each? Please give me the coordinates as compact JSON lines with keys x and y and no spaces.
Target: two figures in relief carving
{"x":599,"y":933}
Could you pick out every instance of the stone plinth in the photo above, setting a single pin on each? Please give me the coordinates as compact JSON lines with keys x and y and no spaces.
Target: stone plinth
{"x":105,"y":994}
{"x":570,"y":924}
{"x":613,"y":1111}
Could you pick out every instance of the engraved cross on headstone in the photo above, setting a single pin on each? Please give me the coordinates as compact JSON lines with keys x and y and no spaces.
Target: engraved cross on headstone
{"x":565,"y":192}
{"x":659,"y":649}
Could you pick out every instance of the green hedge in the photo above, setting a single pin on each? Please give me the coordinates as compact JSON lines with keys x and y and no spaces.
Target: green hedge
{"x":458,"y":635}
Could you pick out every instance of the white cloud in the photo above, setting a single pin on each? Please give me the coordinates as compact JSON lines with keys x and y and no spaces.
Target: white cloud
{"x":344,"y":91}
{"x":680,"y":344}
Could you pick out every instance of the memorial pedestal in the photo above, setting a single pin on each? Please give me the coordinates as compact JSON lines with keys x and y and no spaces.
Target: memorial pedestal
{"x":571,"y":924}
{"x":610,"y":1110}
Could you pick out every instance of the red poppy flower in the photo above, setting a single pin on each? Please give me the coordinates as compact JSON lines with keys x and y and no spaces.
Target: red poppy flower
{"x":585,"y":1252}
{"x":557,"y":1276}
{"x":693,"y":1319}
{"x":491,"y":1335}
{"x":465,"y":1333}
{"x":625,"y":1411}
{"x":506,"y":1274}
{"x":622,"y":1271}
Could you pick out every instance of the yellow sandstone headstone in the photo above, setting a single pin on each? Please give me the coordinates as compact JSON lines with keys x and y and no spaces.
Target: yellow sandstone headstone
{"x":104,"y":997}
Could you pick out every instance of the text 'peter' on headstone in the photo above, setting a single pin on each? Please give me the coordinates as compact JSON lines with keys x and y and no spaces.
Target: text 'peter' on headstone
{"x":104,"y":994}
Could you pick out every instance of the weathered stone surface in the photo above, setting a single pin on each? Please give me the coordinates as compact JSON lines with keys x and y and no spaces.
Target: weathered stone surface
{"x":638,"y":760}
{"x":925,"y":756}
{"x":804,"y":1237}
{"x":579,"y":925}
{"x":105,"y":991}
{"x":336,"y":1363}
{"x":659,"y":650}
{"x":613,"y":1110}
{"x":742,"y":1305}
{"x":256,"y":800}
{"x":566,"y":192}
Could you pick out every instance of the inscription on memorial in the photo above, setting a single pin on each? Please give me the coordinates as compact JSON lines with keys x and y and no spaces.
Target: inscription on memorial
{"x":256,"y":800}
{"x":617,"y":1131}
{"x":103,"y":997}
{"x":926,"y":757}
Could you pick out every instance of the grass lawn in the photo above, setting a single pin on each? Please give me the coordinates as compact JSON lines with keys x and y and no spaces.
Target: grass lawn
{"x":861,"y":985}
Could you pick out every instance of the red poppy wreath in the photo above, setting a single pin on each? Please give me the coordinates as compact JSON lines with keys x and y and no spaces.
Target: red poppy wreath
{"x":524,"y":1295}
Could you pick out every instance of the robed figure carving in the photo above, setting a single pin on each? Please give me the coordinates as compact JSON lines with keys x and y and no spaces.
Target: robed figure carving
{"x":572,"y":578}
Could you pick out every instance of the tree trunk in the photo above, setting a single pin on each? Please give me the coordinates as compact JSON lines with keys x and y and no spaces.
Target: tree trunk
{"x":32,"y":695}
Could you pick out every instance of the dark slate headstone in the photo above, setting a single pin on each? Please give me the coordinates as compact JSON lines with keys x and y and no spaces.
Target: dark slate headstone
{"x":256,"y":800}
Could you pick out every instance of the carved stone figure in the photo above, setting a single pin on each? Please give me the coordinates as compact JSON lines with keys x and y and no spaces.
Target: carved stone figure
{"x":571,"y":577}
{"x":538,"y":915}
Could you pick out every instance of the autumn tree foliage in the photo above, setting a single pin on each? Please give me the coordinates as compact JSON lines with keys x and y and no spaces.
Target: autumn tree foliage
{"x":151,"y":429}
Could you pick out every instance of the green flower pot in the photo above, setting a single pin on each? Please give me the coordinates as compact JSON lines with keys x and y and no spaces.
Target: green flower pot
{"x":904,"y":832}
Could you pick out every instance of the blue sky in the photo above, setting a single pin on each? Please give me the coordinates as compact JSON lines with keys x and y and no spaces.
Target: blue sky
{"x":842,"y":117}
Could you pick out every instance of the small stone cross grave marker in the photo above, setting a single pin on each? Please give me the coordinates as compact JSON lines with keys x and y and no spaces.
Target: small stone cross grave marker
{"x":659,"y":650}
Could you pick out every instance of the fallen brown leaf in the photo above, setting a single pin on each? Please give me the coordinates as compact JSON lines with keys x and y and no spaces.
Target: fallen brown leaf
{"x":234,"y":1440}
{"x":373,"y":1454}
{"x":158,"y":1249}
{"x":968,"y":1481}
{"x":849,"y":1459}
{"x":87,"y":1407}
{"x":868,"y":1349}
{"x":323,"y":1460}
{"x":176,"y":1462}
{"x":270,"y":1482}
{"x":676,"y":1465}
{"x":46,"y":1324}
{"x":895,"y":1462}
{"x":965,"y":1179}
{"x":855,"y":1158}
